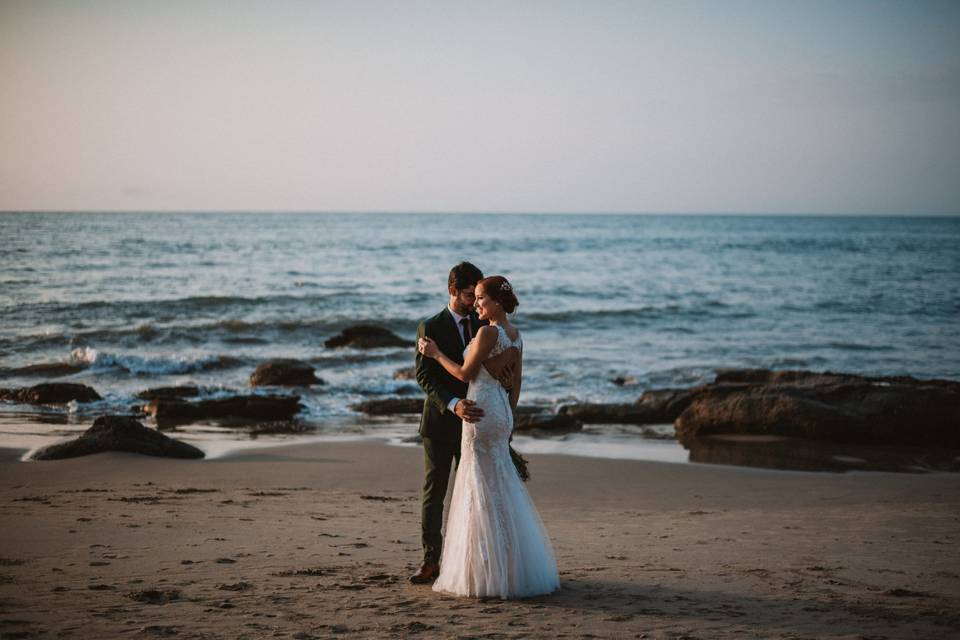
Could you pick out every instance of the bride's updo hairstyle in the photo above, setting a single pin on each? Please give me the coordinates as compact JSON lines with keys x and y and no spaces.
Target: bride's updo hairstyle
{"x":499,"y":289}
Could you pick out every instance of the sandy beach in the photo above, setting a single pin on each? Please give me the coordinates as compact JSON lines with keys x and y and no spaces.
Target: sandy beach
{"x":317,"y":541}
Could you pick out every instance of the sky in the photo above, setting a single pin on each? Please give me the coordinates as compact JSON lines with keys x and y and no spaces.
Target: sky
{"x":844,"y":106}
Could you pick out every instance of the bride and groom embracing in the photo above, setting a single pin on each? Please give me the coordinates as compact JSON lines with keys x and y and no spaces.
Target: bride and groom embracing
{"x":469,"y":364}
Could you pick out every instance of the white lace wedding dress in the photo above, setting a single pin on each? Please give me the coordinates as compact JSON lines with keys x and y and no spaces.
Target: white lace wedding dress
{"x":495,"y":543}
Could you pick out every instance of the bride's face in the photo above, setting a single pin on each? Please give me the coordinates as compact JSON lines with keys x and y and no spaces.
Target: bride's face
{"x":486,"y":307}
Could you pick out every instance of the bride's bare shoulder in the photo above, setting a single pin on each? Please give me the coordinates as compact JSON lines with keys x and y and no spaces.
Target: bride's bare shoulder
{"x":487,"y":332}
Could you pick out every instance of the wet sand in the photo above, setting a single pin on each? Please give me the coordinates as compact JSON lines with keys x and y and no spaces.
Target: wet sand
{"x":315,"y":541}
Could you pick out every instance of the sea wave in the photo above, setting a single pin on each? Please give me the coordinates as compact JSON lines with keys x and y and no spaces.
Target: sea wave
{"x":704,"y":309}
{"x":232,"y":331}
{"x":189,"y":306}
{"x":155,"y":365}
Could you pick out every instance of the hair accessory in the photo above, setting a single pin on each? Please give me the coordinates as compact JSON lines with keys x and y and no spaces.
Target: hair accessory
{"x":505,"y":286}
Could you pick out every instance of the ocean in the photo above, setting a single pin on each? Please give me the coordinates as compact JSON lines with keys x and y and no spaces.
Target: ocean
{"x":149,"y":300}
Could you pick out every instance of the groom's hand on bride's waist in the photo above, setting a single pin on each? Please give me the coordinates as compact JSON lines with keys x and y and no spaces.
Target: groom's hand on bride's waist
{"x":468,"y":410}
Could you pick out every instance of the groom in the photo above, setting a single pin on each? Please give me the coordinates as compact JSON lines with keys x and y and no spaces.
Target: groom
{"x":445,"y":407}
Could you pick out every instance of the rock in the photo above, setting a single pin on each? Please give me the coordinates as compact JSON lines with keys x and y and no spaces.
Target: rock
{"x":665,"y":405}
{"x":169,"y":392}
{"x":528,"y":418}
{"x":171,"y":412}
{"x":366,"y":336}
{"x":389,"y":406}
{"x":285,"y":372}
{"x":118,"y":433}
{"x":47,"y":369}
{"x":50,"y":393}
{"x":409,"y":373}
{"x":594,"y":413}
{"x":826,"y":406}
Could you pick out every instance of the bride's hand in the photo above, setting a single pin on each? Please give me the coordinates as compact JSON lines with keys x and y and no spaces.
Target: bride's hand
{"x":428,"y":347}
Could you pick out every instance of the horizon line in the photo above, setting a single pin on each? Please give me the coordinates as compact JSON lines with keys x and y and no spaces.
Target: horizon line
{"x":476,"y":212}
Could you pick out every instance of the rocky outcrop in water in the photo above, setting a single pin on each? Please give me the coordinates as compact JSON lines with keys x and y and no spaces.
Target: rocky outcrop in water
{"x":118,"y":433}
{"x":284,"y":372}
{"x":407,"y":373}
{"x":365,"y":336}
{"x":169,"y":412}
{"x":169,"y":392}
{"x":659,"y":406}
{"x":50,"y":393}
{"x":531,"y":418}
{"x":45,"y":369}
{"x":826,"y":406}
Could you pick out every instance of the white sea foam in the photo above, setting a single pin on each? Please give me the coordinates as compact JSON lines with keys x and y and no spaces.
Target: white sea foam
{"x":146,"y":365}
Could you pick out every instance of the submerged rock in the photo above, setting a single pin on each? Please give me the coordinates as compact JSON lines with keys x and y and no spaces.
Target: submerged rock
{"x":596,"y":413}
{"x":366,"y":336}
{"x":407,"y":373}
{"x":284,"y":372}
{"x":826,"y":406}
{"x":665,"y":405}
{"x":185,"y":391}
{"x":528,"y":418}
{"x":118,"y":433}
{"x":50,"y":393}
{"x":49,"y":369}
{"x":657,"y":406}
{"x":170,"y":412}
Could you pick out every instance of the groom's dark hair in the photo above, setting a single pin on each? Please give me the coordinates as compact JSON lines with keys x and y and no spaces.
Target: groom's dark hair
{"x":464,"y":276}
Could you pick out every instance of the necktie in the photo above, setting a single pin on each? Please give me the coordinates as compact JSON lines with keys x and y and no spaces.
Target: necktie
{"x":465,"y":324}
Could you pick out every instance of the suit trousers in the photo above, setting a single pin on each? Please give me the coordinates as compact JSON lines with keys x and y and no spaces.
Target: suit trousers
{"x":439,"y":456}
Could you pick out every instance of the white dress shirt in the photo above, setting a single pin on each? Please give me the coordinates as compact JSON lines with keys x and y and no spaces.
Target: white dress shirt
{"x":457,"y":318}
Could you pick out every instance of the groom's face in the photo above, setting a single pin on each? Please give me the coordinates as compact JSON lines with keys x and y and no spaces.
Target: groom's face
{"x":462,"y":300}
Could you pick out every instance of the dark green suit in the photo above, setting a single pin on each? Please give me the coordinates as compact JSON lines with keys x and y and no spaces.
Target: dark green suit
{"x":439,"y":427}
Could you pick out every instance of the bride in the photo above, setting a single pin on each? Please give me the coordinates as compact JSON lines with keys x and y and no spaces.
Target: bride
{"x":495,"y":543}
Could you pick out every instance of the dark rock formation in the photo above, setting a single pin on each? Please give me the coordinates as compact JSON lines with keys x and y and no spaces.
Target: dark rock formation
{"x":46,"y":369}
{"x":527,"y":418}
{"x":50,"y":393}
{"x":366,"y":336}
{"x":826,"y":406}
{"x":593,"y":413}
{"x":409,"y":373}
{"x":285,"y":372}
{"x":119,"y":433}
{"x":654,"y":407}
{"x":665,"y":405}
{"x":171,"y":412}
{"x":169,"y":392}
{"x":389,"y":406}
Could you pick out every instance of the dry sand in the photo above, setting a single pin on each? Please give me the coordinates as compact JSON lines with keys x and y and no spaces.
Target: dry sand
{"x":317,"y":541}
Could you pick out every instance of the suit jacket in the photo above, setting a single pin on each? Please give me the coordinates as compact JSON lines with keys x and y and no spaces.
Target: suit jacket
{"x":437,"y":420}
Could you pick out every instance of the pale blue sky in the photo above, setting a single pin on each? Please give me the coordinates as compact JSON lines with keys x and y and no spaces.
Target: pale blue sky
{"x":762,"y":106}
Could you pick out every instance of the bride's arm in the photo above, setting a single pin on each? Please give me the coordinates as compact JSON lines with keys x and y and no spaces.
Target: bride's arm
{"x":486,"y":338}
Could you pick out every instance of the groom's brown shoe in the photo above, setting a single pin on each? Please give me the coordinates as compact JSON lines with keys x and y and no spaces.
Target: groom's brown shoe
{"x":428,"y":573}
